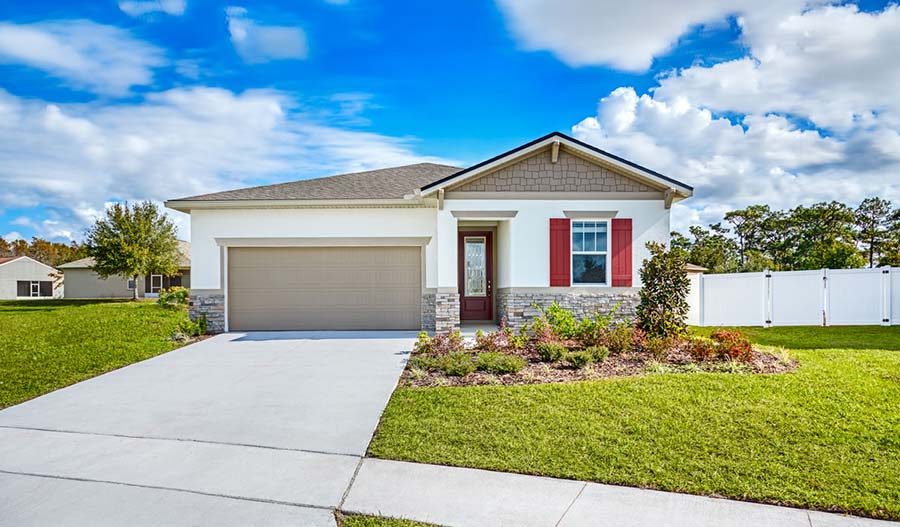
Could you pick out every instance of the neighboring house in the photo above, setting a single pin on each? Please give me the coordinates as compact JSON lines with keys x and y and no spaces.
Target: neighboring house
{"x":83,"y":282}
{"x":25,"y":277}
{"x":427,"y":245}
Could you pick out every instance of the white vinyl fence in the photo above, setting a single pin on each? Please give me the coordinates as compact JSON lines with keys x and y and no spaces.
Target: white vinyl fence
{"x":828,"y":297}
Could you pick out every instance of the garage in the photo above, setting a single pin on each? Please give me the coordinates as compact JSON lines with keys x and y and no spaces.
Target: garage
{"x":329,"y":288}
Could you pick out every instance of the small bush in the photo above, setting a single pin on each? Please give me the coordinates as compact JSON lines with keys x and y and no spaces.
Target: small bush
{"x":579,"y":359}
{"x":188,"y":329}
{"x":591,"y":331}
{"x":599,"y":353}
{"x":733,"y":346}
{"x":440,"y":344}
{"x":540,"y":330}
{"x":424,"y":362}
{"x":499,"y":341}
{"x":659,"y":347}
{"x":550,"y":351}
{"x":620,"y":339}
{"x":456,"y":364}
{"x":173,"y":296}
{"x":562,"y":321}
{"x":493,"y":362}
{"x":703,"y":350}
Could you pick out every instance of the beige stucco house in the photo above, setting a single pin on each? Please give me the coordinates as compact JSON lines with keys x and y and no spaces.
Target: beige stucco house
{"x":430,"y":246}
{"x":22,"y":277}
{"x":82,"y":282}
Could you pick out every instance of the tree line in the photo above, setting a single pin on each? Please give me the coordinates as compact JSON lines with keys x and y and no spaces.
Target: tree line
{"x":44,"y":251}
{"x":824,"y":235}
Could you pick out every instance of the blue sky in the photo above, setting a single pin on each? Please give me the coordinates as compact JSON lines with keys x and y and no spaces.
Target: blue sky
{"x":146,"y":99}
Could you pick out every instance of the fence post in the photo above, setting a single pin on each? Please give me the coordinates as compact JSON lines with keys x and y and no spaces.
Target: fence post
{"x":767,"y":293}
{"x":702,"y":306}
{"x":886,"y":296}
{"x":824,"y":297}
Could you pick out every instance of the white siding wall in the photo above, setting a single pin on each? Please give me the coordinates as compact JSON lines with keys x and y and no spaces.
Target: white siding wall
{"x":23,"y":269}
{"x":206,"y":225}
{"x":523,"y":242}
{"x":524,"y":252}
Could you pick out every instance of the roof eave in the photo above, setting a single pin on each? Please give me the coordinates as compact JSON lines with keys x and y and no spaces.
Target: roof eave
{"x":189,"y":205}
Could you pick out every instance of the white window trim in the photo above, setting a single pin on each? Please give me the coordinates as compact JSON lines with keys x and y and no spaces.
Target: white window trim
{"x":606,"y":253}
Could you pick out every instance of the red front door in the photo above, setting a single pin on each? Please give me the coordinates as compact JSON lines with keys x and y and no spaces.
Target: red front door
{"x":476,"y":299}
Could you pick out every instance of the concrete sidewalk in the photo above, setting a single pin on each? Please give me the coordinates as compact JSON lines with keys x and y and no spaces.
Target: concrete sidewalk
{"x":462,"y":497}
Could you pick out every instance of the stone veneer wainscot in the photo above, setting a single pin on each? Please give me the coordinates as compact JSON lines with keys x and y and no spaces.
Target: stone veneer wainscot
{"x":211,"y":304}
{"x":519,"y":305}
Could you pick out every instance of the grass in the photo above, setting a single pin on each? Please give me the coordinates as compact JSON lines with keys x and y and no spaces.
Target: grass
{"x":826,"y":436}
{"x":48,"y":344}
{"x":377,"y":521}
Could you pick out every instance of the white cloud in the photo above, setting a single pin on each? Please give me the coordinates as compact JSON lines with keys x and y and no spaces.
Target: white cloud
{"x":624,"y":35}
{"x":71,"y":159}
{"x":142,"y":7}
{"x":86,"y":55}
{"x":12,"y":236}
{"x":763,"y":159}
{"x":257,"y":43}
{"x":834,"y":65}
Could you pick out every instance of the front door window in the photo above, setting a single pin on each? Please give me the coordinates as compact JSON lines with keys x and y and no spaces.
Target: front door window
{"x":476,"y":266}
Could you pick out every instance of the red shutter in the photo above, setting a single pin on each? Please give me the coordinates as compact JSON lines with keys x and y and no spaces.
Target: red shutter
{"x":621,"y":252}
{"x":560,"y":252}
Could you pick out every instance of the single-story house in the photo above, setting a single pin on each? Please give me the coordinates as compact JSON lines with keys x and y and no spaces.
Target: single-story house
{"x":428,"y":245}
{"x":83,"y":282}
{"x":24,"y":277}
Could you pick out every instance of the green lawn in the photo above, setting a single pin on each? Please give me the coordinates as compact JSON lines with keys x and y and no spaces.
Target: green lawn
{"x":48,"y":344}
{"x":826,"y":436}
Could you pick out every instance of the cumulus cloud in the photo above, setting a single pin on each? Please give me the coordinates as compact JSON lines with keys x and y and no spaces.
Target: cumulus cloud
{"x":84,"y":54}
{"x":144,"y":7}
{"x":70,"y":159}
{"x":257,"y":43}
{"x":627,"y":35}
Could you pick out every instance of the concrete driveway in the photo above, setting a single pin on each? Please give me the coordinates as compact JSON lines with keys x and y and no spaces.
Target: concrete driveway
{"x":241,"y":429}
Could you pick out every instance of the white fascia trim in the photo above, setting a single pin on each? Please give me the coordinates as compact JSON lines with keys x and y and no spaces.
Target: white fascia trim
{"x":410,"y":202}
{"x":628,"y":169}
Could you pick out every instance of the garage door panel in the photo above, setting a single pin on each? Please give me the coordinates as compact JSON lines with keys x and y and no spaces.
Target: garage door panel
{"x":324,"y":288}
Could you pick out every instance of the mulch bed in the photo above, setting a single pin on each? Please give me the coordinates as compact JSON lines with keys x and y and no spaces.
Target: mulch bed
{"x":621,"y":365}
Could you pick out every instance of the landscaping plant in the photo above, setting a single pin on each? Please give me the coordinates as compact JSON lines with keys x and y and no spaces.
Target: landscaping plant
{"x":498,"y":363}
{"x":550,"y":351}
{"x":579,"y":359}
{"x":173,"y":296}
{"x":663,"y":307}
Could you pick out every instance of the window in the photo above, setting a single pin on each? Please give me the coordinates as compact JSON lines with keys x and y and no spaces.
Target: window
{"x":476,"y":266}
{"x":590,"y":242}
{"x":34,"y":288}
{"x":156,"y":283}
{"x":130,"y":284}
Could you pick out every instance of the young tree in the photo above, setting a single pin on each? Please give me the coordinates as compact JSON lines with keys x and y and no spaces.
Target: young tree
{"x":873,"y":226}
{"x":133,"y":241}
{"x":663,"y":306}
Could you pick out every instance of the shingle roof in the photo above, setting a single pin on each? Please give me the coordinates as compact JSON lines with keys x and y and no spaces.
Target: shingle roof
{"x":86,"y":263}
{"x":385,"y":183}
{"x":8,"y":259}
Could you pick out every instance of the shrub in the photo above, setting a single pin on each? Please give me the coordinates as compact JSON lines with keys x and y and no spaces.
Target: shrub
{"x":663,"y":306}
{"x":456,"y":364}
{"x":562,"y":321}
{"x":579,"y":359}
{"x":540,"y":330}
{"x":550,"y":351}
{"x":591,"y":331}
{"x":187,"y":328}
{"x":424,"y":362}
{"x":500,"y":341}
{"x":493,"y":362}
{"x":620,"y":339}
{"x":440,"y":344}
{"x":733,"y":345}
{"x":173,"y":296}
{"x":659,"y":347}
{"x":703,"y":350}
{"x":599,"y":353}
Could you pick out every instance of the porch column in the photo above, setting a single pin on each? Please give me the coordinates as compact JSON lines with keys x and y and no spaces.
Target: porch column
{"x":446,"y":302}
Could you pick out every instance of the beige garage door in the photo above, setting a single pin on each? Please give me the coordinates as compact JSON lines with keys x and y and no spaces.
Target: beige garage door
{"x":284,"y":288}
